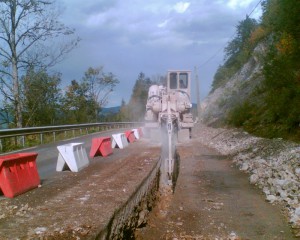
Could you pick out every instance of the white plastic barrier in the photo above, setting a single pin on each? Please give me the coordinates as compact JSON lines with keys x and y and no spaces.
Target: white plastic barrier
{"x":136,"y":133}
{"x":72,"y":155}
{"x":119,"y":140}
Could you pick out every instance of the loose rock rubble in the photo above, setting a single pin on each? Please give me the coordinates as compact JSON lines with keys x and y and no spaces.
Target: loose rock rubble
{"x":273,"y":165}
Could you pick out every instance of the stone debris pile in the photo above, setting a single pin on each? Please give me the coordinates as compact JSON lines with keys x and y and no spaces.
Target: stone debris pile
{"x":273,"y":164}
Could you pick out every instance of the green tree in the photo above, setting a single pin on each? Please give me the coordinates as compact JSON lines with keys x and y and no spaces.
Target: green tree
{"x":83,"y":100}
{"x":237,"y":52}
{"x":241,"y":41}
{"x":138,"y":100}
{"x":77,"y":107}
{"x":275,"y":104}
{"x":41,"y":98}
{"x":282,"y":67}
{"x":5,"y":115}
{"x":99,"y":85}
{"x":26,"y":30}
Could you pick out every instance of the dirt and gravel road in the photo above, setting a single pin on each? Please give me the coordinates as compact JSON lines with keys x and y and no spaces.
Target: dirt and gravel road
{"x":214,"y":200}
{"x":79,"y":205}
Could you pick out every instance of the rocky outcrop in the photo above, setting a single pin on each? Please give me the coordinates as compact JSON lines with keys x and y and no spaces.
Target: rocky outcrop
{"x":272,"y":165}
{"x":217,"y":104}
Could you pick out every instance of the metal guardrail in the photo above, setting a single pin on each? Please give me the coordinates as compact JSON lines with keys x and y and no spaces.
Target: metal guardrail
{"x":19,"y":134}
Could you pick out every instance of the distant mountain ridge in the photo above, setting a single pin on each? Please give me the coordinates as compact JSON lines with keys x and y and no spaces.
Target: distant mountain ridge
{"x":110,"y":110}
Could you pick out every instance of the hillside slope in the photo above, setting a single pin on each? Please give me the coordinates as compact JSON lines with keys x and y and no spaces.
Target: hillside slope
{"x":217,"y":105}
{"x":257,"y":88}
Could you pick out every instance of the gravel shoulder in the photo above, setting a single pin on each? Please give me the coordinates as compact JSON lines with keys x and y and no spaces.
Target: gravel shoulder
{"x":271,"y":164}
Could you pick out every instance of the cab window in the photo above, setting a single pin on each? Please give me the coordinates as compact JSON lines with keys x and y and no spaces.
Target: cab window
{"x":183,"y":80}
{"x":173,"y":80}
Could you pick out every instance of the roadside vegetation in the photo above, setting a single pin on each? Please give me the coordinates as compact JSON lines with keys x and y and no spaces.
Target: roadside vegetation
{"x":273,"y":108}
{"x":32,"y":41}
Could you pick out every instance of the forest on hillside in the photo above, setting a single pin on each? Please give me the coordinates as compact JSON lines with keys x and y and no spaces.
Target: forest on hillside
{"x":273,"y":108}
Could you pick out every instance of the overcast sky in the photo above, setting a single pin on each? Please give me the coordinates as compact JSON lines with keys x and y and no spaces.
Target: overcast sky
{"x":132,"y":36}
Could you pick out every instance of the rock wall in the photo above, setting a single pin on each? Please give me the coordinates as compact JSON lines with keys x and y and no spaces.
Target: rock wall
{"x":217,"y":104}
{"x":272,"y":165}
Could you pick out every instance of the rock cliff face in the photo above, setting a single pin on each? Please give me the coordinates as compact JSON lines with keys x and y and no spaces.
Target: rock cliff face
{"x":217,"y":104}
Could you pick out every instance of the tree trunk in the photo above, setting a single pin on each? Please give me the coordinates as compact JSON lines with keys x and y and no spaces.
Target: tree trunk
{"x":16,"y":93}
{"x":14,"y":63}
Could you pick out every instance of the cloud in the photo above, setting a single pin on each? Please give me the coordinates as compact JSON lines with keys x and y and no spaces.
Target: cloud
{"x":96,"y":20}
{"x":92,"y":7}
{"x":235,"y":4}
{"x":127,"y":37}
{"x":163,"y":24}
{"x":181,"y":7}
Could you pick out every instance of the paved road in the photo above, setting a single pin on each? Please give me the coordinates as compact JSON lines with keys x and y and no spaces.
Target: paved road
{"x":48,"y":153}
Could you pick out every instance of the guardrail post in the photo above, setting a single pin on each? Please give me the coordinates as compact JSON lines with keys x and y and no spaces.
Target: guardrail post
{"x":54,"y":137}
{"x":41,"y":138}
{"x":1,"y":146}
{"x":73,"y":133}
{"x":23,"y":141}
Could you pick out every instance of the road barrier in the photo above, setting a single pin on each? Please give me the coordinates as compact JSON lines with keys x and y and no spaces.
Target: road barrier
{"x":101,"y":146}
{"x":27,"y":137}
{"x":130,"y":136}
{"x":18,"y":173}
{"x":119,"y":140}
{"x":136,"y":133}
{"x":72,"y":156}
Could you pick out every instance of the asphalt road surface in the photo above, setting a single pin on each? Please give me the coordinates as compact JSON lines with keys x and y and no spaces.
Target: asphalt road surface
{"x":48,"y":153}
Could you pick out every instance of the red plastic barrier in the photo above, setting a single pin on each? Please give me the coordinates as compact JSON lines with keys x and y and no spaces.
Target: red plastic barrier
{"x":101,"y":146}
{"x":130,"y":136}
{"x":18,"y":173}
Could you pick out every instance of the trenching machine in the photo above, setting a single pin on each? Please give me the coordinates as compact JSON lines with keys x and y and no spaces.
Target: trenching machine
{"x":168,"y":110}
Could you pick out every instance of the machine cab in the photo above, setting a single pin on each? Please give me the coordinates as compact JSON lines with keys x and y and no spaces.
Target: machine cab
{"x":179,"y":81}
